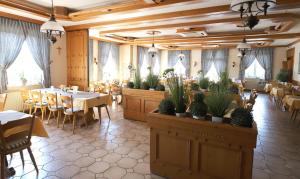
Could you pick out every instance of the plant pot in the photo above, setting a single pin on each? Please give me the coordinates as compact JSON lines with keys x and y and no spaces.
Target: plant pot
{"x":152,"y":89}
{"x":199,"y":117}
{"x":180,"y":114}
{"x":217,"y":119}
{"x":203,"y":90}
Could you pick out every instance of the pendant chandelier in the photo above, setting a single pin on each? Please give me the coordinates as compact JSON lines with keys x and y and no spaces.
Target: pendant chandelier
{"x":152,"y":50}
{"x":243,"y":47}
{"x":181,"y":56}
{"x":52,"y":28}
{"x":249,"y":9}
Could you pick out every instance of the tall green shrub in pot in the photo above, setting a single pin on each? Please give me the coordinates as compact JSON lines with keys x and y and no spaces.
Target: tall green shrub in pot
{"x":176,"y":87}
{"x":137,"y":79}
{"x":218,"y":102}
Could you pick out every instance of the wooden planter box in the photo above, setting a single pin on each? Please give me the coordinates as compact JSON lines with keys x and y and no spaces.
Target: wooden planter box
{"x":137,"y":103}
{"x":187,"y":148}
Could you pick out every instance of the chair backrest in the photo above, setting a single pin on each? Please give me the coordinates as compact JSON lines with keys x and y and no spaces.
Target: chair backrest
{"x":62,"y":86}
{"x":25,"y":95}
{"x":67,"y":102}
{"x":75,"y":88}
{"x":2,"y":101}
{"x":16,"y":130}
{"x":37,"y":96}
{"x":52,"y":100}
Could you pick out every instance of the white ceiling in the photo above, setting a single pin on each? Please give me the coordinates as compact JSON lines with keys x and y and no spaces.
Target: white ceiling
{"x":78,"y":4}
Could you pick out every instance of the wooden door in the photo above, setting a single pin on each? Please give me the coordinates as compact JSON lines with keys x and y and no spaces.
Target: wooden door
{"x":290,"y":62}
{"x":77,"y":48}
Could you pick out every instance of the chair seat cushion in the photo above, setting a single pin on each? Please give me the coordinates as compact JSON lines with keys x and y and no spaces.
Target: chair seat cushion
{"x":53,"y":108}
{"x":75,"y":109}
{"x":43,"y":104}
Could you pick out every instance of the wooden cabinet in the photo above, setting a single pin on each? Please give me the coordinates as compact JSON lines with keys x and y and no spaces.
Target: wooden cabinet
{"x":193,"y":149}
{"x":77,"y":54}
{"x":137,"y":103}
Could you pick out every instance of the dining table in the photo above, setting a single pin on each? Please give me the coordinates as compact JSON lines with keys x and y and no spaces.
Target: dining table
{"x":86,"y":101}
{"x":11,"y":115}
{"x":291,"y":102}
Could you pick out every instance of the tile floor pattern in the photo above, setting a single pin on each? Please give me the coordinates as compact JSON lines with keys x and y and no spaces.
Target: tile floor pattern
{"x":122,"y":150}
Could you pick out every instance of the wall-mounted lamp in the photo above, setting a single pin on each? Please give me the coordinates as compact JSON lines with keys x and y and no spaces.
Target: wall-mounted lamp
{"x":96,"y":61}
{"x":233,"y":64}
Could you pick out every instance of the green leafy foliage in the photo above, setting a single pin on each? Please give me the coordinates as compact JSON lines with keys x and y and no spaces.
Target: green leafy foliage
{"x":130,"y":84}
{"x":177,"y":90}
{"x":242,"y":117}
{"x":166,"y":106}
{"x":160,"y":87}
{"x":204,"y":83}
{"x":225,"y":81}
{"x":195,"y":86}
{"x":283,"y":76}
{"x":145,"y":85}
{"x":152,"y":80}
{"x":199,"y":97}
{"x":218,"y":102}
{"x":137,"y":79}
{"x":198,"y":109}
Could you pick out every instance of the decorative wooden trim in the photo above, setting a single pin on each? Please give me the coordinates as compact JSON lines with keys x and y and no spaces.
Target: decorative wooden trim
{"x":190,"y":24}
{"x":119,"y":8}
{"x":293,"y":43}
{"x":22,"y":18}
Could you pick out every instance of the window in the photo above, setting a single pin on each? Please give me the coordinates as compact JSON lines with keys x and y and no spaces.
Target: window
{"x":110,"y":69}
{"x":179,"y":69}
{"x":144,"y":68}
{"x":255,"y":70}
{"x":212,"y":74}
{"x":24,"y":67}
{"x":156,"y":67}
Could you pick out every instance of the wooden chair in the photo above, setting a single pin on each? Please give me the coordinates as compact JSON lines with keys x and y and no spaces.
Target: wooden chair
{"x":62,"y":86}
{"x":2,"y":101}
{"x":37,"y":99}
{"x":75,"y":88}
{"x":26,"y":100}
{"x":70,"y":111}
{"x":54,"y":107}
{"x":17,"y":141}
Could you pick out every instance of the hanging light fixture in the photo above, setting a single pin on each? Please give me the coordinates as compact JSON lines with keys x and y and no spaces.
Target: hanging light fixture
{"x":243,"y":47}
{"x":249,"y":9}
{"x":52,"y":28}
{"x":181,"y":56}
{"x":152,"y":50}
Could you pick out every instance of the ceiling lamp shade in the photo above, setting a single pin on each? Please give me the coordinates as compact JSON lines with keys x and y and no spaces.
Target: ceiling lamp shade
{"x":181,"y":56}
{"x":52,"y":28}
{"x":152,"y":50}
{"x":243,"y":47}
{"x":249,"y":9}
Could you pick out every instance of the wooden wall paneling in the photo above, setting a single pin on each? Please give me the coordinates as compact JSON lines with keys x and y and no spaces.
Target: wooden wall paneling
{"x":77,"y":58}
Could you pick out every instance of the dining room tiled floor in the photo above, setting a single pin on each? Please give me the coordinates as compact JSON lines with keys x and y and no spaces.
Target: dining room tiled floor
{"x":121,"y":150}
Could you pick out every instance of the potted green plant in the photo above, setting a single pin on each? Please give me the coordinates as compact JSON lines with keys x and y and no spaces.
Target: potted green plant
{"x":283,"y":75}
{"x":137,"y":79}
{"x":194,"y":86}
{"x":198,"y":108}
{"x":152,"y":80}
{"x":130,"y":84}
{"x":218,"y":103}
{"x":166,"y":106}
{"x":160,"y":87}
{"x":204,"y":83}
{"x":177,"y":91}
{"x":145,"y":85}
{"x":242,"y":117}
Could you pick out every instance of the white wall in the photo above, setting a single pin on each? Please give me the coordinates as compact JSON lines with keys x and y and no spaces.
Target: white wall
{"x":279,"y":56}
{"x":58,"y":67}
{"x":124,"y":58}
